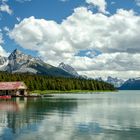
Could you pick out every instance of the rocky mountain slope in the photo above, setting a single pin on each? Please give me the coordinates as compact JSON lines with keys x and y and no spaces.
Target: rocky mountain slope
{"x":131,"y":84}
{"x":18,"y":62}
{"x":68,"y":69}
{"x":115,"y":81}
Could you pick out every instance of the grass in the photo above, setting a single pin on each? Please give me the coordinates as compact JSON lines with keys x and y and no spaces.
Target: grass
{"x":69,"y":91}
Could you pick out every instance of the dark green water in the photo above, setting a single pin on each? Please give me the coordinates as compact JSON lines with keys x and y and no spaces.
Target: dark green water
{"x":106,"y":116}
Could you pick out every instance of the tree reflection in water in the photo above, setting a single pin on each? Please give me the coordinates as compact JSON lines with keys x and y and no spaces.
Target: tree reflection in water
{"x":20,"y":115}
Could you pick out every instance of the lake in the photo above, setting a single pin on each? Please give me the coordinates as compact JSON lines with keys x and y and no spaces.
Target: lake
{"x":100,"y":116}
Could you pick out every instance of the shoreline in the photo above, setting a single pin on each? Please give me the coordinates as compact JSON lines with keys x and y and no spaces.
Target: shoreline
{"x":51,"y":93}
{"x":46,"y":92}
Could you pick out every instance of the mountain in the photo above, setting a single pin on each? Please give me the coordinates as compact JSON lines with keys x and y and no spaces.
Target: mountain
{"x":131,"y":84}
{"x":99,"y":79}
{"x":115,"y":81}
{"x":72,"y":71}
{"x":68,"y":69}
{"x":18,"y":62}
{"x":3,"y":62}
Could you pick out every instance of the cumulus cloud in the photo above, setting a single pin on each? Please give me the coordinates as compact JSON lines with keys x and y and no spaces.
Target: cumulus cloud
{"x":100,"y":4}
{"x":3,"y":52}
{"x":5,"y":8}
{"x":115,"y":36}
{"x":137,"y":2}
{"x":6,"y":30}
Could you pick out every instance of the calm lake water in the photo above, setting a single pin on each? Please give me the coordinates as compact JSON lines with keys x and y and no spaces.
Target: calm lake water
{"x":101,"y":116}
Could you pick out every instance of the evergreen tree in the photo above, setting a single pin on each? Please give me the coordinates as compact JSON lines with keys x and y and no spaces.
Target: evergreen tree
{"x":40,"y":82}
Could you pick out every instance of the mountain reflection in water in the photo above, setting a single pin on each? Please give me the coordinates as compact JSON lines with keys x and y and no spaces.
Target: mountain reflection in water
{"x":21,"y":114}
{"x":107,"y":116}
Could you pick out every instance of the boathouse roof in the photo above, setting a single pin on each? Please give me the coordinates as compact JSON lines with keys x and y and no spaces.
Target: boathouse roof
{"x":12,"y":85}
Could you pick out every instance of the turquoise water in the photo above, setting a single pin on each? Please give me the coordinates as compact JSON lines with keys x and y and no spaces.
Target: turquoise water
{"x":101,"y":116}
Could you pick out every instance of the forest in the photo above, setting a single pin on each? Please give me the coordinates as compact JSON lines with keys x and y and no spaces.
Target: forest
{"x":42,"y":82}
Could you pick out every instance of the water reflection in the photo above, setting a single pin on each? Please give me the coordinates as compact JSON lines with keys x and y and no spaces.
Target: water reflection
{"x":72,"y":117}
{"x":13,"y":105}
{"x":22,"y":115}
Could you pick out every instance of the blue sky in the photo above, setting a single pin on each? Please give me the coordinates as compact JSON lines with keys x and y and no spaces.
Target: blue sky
{"x":46,"y":9}
{"x":56,"y":10}
{"x":71,"y":40}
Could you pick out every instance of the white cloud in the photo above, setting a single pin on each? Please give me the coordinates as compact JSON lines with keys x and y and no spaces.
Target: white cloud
{"x":5,"y":8}
{"x":2,"y":51}
{"x":22,"y":1}
{"x":3,"y":1}
{"x":116,"y":36}
{"x":6,"y":29}
{"x":137,"y":2}
{"x":18,"y":19}
{"x":64,"y":0}
{"x":100,"y":4}
{"x":105,"y":73}
{"x":1,"y":38}
{"x":113,"y":2}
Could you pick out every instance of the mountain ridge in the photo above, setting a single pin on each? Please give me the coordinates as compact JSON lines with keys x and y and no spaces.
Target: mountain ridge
{"x":68,"y":69}
{"x":131,"y":84}
{"x":19,"y":62}
{"x":117,"y":82}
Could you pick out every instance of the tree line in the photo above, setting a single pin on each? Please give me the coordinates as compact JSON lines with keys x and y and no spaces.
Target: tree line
{"x":41,"y":82}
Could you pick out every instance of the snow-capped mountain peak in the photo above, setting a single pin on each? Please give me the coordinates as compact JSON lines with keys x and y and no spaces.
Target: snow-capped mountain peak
{"x":68,"y":69}
{"x":18,"y":55}
{"x":3,"y":62}
{"x":115,"y":81}
{"x":18,"y":62}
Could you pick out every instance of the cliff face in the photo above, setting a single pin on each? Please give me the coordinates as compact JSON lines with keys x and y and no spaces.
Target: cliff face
{"x":18,"y":62}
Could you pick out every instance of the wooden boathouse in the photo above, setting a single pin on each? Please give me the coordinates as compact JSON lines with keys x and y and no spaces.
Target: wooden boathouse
{"x":13,"y":88}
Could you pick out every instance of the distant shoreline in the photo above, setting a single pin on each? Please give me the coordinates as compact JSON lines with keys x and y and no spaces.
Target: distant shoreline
{"x":39,"y":92}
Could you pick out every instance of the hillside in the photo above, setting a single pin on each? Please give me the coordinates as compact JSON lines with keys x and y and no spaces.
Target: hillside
{"x":131,"y":84}
{"x":18,"y":62}
{"x":40,"y":82}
